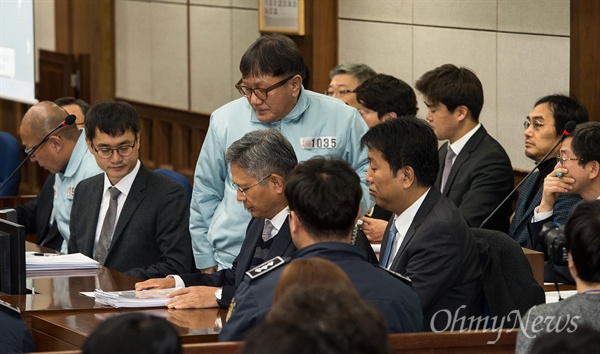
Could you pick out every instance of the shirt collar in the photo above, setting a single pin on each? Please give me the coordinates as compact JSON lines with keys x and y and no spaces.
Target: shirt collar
{"x":404,"y":220}
{"x":459,"y":144}
{"x":124,"y":185}
{"x":278,"y":220}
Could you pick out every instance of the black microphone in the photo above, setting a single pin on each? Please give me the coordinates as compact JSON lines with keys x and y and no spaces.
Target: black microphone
{"x":569,"y":127}
{"x":69,"y":120}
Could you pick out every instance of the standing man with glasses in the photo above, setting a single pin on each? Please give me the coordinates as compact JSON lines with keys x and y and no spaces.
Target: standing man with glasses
{"x":543,"y":129}
{"x":273,"y":97}
{"x":577,"y":171}
{"x":345,"y":78}
{"x":128,"y":218}
{"x":64,"y":154}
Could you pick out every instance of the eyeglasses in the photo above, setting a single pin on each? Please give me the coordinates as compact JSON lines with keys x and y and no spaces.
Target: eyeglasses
{"x":536,"y":124}
{"x":123,"y":150}
{"x":29,"y":149}
{"x":338,"y":93}
{"x":243,"y":190}
{"x":560,"y":160}
{"x":261,"y":94}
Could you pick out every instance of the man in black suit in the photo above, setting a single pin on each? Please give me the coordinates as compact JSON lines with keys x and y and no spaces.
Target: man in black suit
{"x":426,"y":239}
{"x":475,"y":171}
{"x":128,"y":218}
{"x":260,"y":163}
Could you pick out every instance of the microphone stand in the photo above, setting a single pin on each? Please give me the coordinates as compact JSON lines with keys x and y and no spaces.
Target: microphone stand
{"x":70,"y":119}
{"x":569,"y":127}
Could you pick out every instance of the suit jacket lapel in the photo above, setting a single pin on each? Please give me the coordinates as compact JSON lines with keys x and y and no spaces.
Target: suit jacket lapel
{"x":91,"y":222}
{"x":133,"y":200}
{"x":463,"y":156}
{"x":244,"y":259}
{"x":430,"y":200}
{"x":281,"y":242}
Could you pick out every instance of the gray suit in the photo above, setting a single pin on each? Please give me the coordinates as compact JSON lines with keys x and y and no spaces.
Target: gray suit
{"x":151,"y":238}
{"x":480,"y":178}
{"x":440,"y":256}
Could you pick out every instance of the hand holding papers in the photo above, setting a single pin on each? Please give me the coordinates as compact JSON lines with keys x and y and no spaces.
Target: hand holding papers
{"x":50,"y":261}
{"x":132,"y":298}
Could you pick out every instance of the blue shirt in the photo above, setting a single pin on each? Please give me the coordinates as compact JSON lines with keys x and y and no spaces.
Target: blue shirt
{"x":317,"y":125}
{"x":82,"y":165}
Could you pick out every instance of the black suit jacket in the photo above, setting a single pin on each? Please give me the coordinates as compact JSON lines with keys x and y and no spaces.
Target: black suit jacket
{"x":440,"y":256}
{"x":151,"y":238}
{"x":35,"y":216}
{"x":480,"y":178}
{"x":230,"y":279}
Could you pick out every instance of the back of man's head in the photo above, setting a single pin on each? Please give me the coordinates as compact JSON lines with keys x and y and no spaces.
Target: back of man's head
{"x":273,"y":54}
{"x":361,"y":72}
{"x":325,"y":194}
{"x":386,"y":94}
{"x":564,"y":109}
{"x":113,"y":118}
{"x":263,"y":152}
{"x":65,"y":101}
{"x":582,"y":233}
{"x":407,"y":141}
{"x":453,"y":86}
{"x":585,"y":143}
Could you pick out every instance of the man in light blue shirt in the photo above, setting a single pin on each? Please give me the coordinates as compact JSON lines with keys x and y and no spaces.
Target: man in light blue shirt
{"x":272,"y":73}
{"x":64,"y":153}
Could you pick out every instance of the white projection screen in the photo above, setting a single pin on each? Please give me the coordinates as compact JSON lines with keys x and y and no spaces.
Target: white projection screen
{"x":17,"y":49}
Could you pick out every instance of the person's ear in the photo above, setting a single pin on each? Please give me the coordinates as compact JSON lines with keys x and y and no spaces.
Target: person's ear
{"x":388,"y":116}
{"x":278,"y":182}
{"x":296,"y":82}
{"x":594,"y":166}
{"x":461,"y":112}
{"x":409,"y":176}
{"x":89,"y":144}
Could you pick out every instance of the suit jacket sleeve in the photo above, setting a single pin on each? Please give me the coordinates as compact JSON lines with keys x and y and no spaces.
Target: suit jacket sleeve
{"x":225,"y":279}
{"x":26,"y":215}
{"x":172,"y":238}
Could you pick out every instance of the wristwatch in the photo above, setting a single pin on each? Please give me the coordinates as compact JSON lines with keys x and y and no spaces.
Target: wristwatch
{"x":219,"y":295}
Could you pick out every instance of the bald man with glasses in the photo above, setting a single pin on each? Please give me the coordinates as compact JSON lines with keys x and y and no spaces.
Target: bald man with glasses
{"x":272,"y":97}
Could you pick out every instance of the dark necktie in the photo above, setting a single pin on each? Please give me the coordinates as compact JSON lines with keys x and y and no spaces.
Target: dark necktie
{"x":387,"y":253}
{"x":108,"y":226}
{"x":447,"y":167}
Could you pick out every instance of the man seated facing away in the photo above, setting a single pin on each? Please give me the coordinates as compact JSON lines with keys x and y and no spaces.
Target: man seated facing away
{"x":383,"y":97}
{"x":543,"y":129}
{"x":323,"y":197}
{"x":426,"y":239}
{"x":475,"y":171}
{"x":65,"y":154}
{"x":128,"y":218}
{"x":582,"y":236}
{"x":577,"y":171}
{"x":37,"y":214}
{"x":260,"y":164}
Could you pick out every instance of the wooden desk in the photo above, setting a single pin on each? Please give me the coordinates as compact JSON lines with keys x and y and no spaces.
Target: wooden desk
{"x":59,"y":331}
{"x":60,"y":318}
{"x":536,"y":261}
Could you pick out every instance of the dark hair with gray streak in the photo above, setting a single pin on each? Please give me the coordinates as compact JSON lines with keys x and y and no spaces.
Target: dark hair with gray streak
{"x":263,"y":152}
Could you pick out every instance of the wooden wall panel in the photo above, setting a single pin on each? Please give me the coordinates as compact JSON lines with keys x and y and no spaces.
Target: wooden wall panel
{"x":585,"y":55}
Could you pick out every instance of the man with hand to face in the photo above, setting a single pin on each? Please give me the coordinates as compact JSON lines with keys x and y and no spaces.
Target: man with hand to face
{"x":576,"y":172}
{"x":260,"y":163}
{"x":272,"y":97}
{"x":128,"y":218}
{"x":543,"y":130}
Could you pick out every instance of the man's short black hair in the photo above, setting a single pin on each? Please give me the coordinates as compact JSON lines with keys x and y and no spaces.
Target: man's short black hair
{"x":582,"y":233}
{"x":114,"y":118}
{"x":564,"y":109}
{"x":65,"y":101}
{"x":273,"y":54}
{"x":407,"y":141}
{"x":385,"y":94}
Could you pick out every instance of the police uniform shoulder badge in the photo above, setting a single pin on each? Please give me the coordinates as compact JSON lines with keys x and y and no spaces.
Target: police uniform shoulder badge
{"x":265,"y":267}
{"x":404,"y":278}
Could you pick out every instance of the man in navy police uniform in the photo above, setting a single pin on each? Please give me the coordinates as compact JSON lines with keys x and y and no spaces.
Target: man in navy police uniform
{"x":323,"y":197}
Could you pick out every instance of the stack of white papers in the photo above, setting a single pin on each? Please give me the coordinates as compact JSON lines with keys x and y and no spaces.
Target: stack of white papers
{"x":132,"y":298}
{"x":50,"y":261}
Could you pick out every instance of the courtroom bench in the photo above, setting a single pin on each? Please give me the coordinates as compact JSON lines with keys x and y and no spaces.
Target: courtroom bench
{"x":420,"y":343}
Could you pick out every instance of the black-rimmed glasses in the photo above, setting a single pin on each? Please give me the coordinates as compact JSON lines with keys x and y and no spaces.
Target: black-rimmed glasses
{"x":243,"y":190}
{"x":261,"y":94}
{"x":338,"y":93}
{"x":123,"y":150}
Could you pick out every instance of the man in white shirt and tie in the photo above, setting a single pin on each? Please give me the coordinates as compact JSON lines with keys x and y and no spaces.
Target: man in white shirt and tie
{"x":427,"y":239}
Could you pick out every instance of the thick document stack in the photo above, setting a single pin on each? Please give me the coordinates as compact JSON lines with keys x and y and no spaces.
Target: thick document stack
{"x":132,"y":298}
{"x":35,"y":261}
